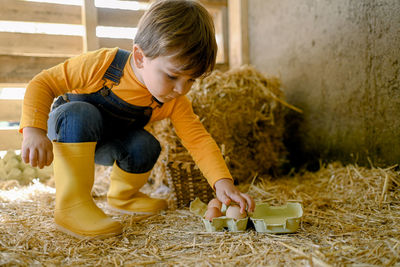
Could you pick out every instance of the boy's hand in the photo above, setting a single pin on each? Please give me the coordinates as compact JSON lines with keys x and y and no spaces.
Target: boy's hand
{"x":36,"y":149}
{"x":227,"y":192}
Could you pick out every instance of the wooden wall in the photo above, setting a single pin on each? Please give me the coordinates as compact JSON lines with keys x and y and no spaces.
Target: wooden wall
{"x":23,"y":55}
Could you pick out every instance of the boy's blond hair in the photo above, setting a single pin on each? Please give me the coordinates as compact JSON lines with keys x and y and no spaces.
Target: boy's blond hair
{"x":182,"y":29}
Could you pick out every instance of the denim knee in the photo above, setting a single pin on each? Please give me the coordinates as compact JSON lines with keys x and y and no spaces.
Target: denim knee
{"x":75,"y":122}
{"x":136,"y":152}
{"x":140,"y":151}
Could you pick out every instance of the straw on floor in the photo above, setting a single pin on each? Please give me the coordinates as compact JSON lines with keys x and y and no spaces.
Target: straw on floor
{"x":351,"y":217}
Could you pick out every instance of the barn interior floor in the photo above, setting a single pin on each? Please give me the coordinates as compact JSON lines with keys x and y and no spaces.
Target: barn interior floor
{"x":351,"y":217}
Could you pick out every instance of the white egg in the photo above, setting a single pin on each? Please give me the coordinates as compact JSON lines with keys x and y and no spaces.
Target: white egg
{"x":215,"y":203}
{"x":233,"y":211}
{"x":212,"y":213}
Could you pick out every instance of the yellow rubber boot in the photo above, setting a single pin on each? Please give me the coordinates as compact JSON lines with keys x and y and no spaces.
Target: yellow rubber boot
{"x":76,"y":213}
{"x":124,"y":196}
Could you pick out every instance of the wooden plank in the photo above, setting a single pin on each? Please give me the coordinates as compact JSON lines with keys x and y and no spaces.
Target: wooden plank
{"x":118,"y":17}
{"x":10,"y":110}
{"x":238,"y":33}
{"x":225,"y":35}
{"x":214,"y":3}
{"x":204,"y":2}
{"x":89,"y":21}
{"x":10,"y":139}
{"x":17,"y":10}
{"x":21,"y":69}
{"x":39,"y":44}
{"x":113,"y":42}
{"x":220,"y":20}
{"x":19,"y":85}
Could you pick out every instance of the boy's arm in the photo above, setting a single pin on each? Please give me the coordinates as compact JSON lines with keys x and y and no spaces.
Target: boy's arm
{"x":206,"y":154}
{"x":201,"y":146}
{"x":83,"y":72}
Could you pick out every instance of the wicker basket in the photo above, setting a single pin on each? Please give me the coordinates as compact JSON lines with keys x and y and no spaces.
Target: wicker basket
{"x":187,"y":183}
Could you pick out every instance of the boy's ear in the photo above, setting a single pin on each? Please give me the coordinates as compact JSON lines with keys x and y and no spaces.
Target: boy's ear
{"x":138,"y":56}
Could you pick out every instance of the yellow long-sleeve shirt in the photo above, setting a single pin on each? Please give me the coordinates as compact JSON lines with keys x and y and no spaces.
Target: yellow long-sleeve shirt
{"x":84,"y":73}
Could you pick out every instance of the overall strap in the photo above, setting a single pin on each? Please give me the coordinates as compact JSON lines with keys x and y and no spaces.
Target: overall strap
{"x":113,"y":73}
{"x":116,"y":69}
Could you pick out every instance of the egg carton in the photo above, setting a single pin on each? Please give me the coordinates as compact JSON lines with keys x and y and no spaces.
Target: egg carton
{"x":265,"y":218}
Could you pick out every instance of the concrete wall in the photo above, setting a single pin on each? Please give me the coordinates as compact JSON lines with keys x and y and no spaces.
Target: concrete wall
{"x":339,"y":60}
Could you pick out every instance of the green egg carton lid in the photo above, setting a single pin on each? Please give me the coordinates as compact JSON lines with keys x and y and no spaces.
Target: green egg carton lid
{"x":277,"y":219}
{"x":266,"y":218}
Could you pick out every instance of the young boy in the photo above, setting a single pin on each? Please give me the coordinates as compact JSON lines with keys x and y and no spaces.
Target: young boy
{"x":110,"y":95}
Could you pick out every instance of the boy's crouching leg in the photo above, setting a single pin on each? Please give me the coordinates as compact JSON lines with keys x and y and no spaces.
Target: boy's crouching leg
{"x":124,"y":195}
{"x":75,"y":212}
{"x":133,"y":157}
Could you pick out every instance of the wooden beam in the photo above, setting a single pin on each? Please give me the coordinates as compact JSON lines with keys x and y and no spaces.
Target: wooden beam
{"x":215,"y":3}
{"x":21,"y":69}
{"x":10,"y":110}
{"x":10,"y":139}
{"x":17,"y":10}
{"x":238,"y":33}
{"x":89,"y":21}
{"x":204,"y":2}
{"x":39,"y":44}
{"x":225,"y":35}
{"x":112,"y":42}
{"x":219,"y":16}
{"x":119,"y":17}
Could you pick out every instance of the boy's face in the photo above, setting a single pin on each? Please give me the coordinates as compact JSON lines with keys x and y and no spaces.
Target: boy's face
{"x":161,"y":77}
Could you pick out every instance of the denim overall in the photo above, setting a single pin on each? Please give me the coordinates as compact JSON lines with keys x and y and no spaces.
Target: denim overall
{"x":114,"y":124}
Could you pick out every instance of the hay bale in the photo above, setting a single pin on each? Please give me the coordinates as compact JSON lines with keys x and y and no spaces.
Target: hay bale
{"x":243,"y":111}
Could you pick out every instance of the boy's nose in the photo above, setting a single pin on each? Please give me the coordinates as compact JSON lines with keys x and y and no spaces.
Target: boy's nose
{"x":180,"y":89}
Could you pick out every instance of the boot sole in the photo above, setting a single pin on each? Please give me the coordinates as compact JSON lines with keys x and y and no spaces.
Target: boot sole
{"x":79,"y":236}
{"x":128,"y":212}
